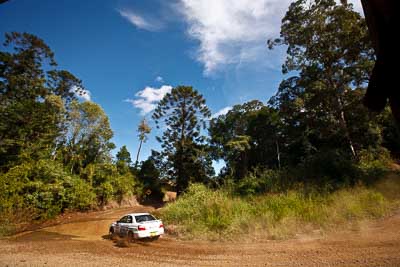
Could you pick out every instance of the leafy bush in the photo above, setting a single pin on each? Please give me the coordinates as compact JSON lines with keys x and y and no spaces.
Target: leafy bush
{"x":250,"y":185}
{"x":324,"y":172}
{"x":79,"y":194}
{"x":262,"y":181}
{"x":124,"y":185}
{"x":45,"y":188}
{"x":373,"y":164}
{"x":109,"y":183}
{"x":48,"y":199}
{"x":104,"y":192}
{"x":32,"y":185}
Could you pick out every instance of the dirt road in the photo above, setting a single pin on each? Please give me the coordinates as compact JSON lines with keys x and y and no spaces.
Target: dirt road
{"x":82,"y":242}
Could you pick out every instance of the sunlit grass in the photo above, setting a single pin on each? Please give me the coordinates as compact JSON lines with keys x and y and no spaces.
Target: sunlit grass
{"x":203,"y":213}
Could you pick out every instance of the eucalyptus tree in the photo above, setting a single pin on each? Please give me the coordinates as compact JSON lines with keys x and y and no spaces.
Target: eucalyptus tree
{"x":88,"y":137}
{"x":143,"y":130}
{"x":329,"y":57}
{"x":183,"y":114}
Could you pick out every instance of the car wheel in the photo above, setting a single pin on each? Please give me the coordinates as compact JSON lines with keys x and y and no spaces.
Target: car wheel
{"x":155,"y":237}
{"x":111,"y":233}
{"x":131,"y":238}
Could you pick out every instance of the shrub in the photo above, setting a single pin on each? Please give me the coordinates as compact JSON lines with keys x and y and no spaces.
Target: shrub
{"x":48,"y":199}
{"x":373,"y":164}
{"x":104,"y":192}
{"x":109,"y":183}
{"x":261,"y":181}
{"x":123,"y":185}
{"x":79,"y":194}
{"x":36,"y":185}
{"x":330,"y":169}
{"x":250,"y":185}
{"x":44,"y":188}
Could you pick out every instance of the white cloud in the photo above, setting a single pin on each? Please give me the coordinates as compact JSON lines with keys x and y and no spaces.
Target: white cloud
{"x":235,"y":32}
{"x":148,"y":98}
{"x":223,"y":111}
{"x":232,"y":32}
{"x":159,"y":79}
{"x":139,"y":21}
{"x":80,"y":93}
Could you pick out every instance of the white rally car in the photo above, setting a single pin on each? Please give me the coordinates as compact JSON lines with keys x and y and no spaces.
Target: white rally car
{"x":136,"y":226}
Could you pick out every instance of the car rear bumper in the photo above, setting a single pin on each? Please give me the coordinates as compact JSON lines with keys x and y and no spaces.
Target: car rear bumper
{"x":149,"y":233}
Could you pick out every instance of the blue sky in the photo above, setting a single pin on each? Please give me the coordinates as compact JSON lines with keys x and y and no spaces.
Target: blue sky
{"x":128,"y":53}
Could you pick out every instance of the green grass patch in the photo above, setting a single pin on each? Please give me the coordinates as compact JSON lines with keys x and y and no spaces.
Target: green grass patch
{"x":203,"y":213}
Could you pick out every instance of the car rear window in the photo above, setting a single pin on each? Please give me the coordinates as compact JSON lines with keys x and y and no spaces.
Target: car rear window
{"x":144,"y":218}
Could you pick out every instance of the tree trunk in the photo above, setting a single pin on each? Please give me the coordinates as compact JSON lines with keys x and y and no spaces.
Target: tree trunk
{"x":181,"y":184}
{"x":345,"y":127}
{"x":137,"y":155}
{"x":278,"y":154}
{"x":342,"y":118}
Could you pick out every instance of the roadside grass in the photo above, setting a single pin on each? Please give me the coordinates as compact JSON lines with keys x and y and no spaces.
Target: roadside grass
{"x":202,"y":213}
{"x":12,"y":221}
{"x":6,"y":227}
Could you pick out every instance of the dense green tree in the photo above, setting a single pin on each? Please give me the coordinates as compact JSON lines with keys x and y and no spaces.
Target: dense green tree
{"x":124,"y":155}
{"x":123,"y":160}
{"x":183,"y":114}
{"x":390,"y":133}
{"x":148,"y":172}
{"x":32,"y":100}
{"x":230,"y":139}
{"x":330,"y":58}
{"x":246,"y":137}
{"x":149,"y":175}
{"x":108,"y":181}
{"x":88,"y":136}
{"x":44,"y":189}
{"x":54,"y":150}
{"x":265,"y":130}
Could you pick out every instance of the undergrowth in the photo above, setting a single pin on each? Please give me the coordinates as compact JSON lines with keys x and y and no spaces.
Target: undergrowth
{"x":203,"y":213}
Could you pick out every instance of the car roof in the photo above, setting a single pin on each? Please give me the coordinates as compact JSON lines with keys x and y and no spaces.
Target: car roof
{"x":137,"y":214}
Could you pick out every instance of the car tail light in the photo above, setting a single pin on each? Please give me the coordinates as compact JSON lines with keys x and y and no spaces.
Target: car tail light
{"x":161,"y":225}
{"x":141,"y":228}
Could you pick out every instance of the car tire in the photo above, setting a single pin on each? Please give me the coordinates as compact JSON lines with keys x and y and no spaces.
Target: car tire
{"x":111,"y":234}
{"x":154,"y":238}
{"x":130,"y":237}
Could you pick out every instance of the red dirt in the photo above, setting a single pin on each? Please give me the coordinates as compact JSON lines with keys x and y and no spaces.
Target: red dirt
{"x":82,"y":241}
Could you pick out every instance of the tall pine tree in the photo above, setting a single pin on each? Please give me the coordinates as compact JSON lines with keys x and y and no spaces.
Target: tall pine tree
{"x":183,"y":114}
